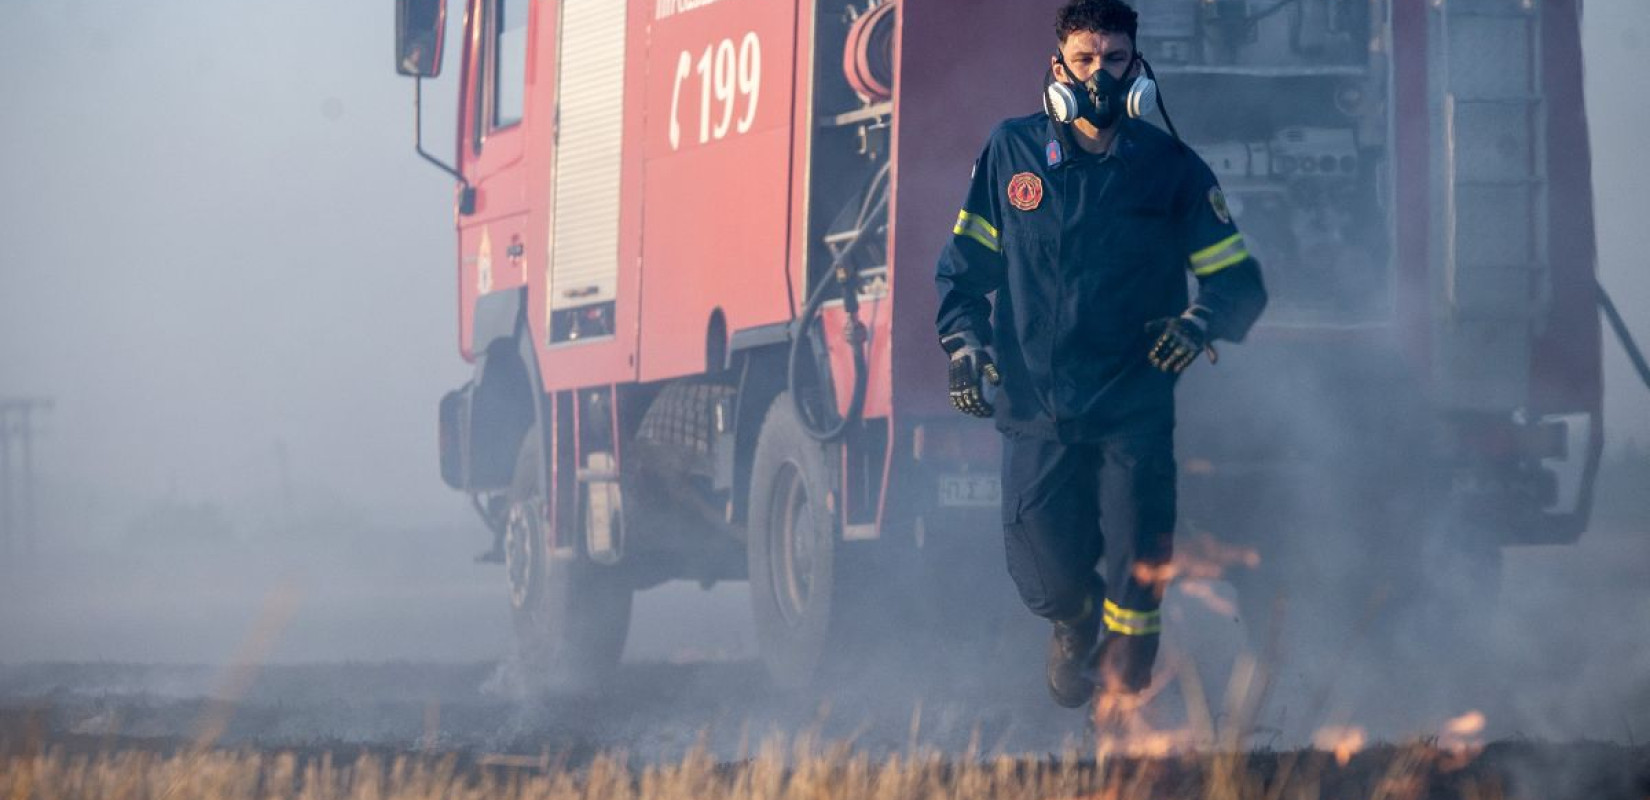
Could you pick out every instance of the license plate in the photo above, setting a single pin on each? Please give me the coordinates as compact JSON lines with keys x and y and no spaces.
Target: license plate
{"x":970,"y":490}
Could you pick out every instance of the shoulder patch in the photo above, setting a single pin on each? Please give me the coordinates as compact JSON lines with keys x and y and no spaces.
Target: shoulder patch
{"x":1217,"y":202}
{"x":1025,"y":191}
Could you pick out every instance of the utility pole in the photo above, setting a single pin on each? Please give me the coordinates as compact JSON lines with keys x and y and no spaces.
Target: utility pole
{"x":283,"y":466}
{"x":19,"y":521}
{"x":8,"y":526}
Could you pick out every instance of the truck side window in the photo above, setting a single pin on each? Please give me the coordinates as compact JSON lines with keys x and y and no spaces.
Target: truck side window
{"x":509,"y":65}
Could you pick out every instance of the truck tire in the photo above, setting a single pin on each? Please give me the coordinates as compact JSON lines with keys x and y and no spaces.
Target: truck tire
{"x":792,"y":547}
{"x":571,"y":616}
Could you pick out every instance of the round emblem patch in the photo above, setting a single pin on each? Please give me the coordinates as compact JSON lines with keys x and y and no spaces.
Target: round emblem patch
{"x":1025,"y":191}
{"x":1217,"y":201}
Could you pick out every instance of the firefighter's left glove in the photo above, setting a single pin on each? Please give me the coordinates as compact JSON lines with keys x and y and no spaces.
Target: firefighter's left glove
{"x":1177,"y":341}
{"x":971,"y":367}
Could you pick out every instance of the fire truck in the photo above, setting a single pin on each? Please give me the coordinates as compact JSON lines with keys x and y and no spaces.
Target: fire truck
{"x":696,"y":249}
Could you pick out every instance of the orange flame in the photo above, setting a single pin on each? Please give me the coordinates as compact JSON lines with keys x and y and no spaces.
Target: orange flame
{"x":1198,"y":466}
{"x":1203,"y":558}
{"x":1344,"y":742}
{"x":1122,"y":729}
{"x":1204,"y":591}
{"x":1468,"y":724}
{"x":1461,"y":741}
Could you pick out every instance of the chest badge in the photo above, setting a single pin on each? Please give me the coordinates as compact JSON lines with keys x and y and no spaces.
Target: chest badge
{"x":1025,"y":191}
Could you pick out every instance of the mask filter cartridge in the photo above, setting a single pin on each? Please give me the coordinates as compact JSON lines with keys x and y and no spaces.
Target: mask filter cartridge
{"x":1101,"y":99}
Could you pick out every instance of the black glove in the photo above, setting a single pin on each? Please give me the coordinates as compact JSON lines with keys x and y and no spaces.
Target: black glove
{"x":971,"y":364}
{"x":1177,"y":341}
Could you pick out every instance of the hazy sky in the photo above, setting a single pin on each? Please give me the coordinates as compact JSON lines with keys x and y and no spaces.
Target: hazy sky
{"x":1616,"y":38}
{"x":215,"y":237}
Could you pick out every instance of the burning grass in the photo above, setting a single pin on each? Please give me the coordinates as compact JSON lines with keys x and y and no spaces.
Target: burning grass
{"x":806,"y":769}
{"x":1130,"y":755}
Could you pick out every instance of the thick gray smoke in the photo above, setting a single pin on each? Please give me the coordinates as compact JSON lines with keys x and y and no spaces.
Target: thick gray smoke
{"x":221,"y":259}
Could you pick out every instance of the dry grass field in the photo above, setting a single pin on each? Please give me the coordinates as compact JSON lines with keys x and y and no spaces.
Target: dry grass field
{"x":806,"y":770}
{"x":100,"y":729}
{"x":1121,"y":764}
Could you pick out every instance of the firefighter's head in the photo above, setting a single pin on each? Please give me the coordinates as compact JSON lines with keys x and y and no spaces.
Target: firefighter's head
{"x":1094,"y":35}
{"x":1096,"y":58}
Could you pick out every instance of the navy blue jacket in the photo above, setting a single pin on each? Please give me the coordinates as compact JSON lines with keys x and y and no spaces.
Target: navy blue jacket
{"x":1082,"y":251}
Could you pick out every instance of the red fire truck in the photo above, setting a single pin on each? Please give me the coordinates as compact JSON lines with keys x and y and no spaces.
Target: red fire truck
{"x":696,"y":246}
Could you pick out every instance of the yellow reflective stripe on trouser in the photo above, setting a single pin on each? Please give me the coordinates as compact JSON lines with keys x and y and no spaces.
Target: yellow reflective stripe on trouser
{"x":975,"y":227}
{"x":1132,"y":623}
{"x":1220,"y":255}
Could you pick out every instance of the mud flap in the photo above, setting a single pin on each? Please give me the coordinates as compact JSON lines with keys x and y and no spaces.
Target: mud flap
{"x":452,"y":442}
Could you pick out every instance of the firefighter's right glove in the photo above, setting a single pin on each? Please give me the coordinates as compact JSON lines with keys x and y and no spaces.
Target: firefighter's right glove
{"x":971,"y":367}
{"x":1177,"y":341}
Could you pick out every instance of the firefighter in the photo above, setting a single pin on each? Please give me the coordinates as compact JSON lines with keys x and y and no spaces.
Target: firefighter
{"x":1085,"y":229}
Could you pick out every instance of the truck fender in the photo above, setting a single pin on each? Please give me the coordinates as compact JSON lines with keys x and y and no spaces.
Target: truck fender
{"x":757,"y":357}
{"x":483,"y":421}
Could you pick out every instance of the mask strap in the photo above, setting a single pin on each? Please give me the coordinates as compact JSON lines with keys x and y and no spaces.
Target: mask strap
{"x":1059,"y":58}
{"x":1161,"y":107}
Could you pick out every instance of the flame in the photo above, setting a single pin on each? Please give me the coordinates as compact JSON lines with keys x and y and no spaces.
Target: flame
{"x":1461,"y":741}
{"x":1122,"y":729}
{"x":1468,"y":724}
{"x":1204,"y":591}
{"x":1202,"y":558}
{"x":1344,"y":742}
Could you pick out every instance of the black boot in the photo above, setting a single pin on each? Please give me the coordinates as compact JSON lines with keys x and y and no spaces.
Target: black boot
{"x":1070,"y":654}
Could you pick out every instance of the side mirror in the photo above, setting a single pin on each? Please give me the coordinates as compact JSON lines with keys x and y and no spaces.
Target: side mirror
{"x":420,"y":26}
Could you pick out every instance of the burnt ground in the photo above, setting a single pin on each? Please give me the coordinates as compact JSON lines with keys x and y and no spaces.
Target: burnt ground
{"x":381,"y":640}
{"x":656,"y":711}
{"x":659,"y":712}
{"x":397,"y":642}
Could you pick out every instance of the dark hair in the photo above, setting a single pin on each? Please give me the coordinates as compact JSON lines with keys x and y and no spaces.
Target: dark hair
{"x":1112,"y":16}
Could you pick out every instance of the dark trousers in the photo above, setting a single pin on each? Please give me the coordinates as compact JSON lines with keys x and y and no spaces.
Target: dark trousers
{"x":1089,"y":528}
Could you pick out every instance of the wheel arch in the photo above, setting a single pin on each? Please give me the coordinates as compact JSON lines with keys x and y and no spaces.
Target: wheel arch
{"x":757,"y":356}
{"x":507,"y":400}
{"x":716,"y":342}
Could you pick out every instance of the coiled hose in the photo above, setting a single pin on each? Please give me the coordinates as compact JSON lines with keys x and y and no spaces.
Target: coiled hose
{"x":845,"y":277}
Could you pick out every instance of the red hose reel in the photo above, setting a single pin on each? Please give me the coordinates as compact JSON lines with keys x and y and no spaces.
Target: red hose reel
{"x":868,"y":56}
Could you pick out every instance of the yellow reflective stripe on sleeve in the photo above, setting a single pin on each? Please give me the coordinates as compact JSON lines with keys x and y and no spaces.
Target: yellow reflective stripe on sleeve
{"x":965,"y":216}
{"x":1214,"y":250}
{"x":1132,"y":623}
{"x":975,"y":227}
{"x":1203,"y":272}
{"x":1218,"y":256}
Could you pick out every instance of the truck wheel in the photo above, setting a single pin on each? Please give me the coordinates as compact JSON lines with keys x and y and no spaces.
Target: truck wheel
{"x":792,"y":547}
{"x":571,"y":616}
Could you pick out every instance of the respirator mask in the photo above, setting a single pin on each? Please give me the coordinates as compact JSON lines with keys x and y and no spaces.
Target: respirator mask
{"x":1101,"y":99}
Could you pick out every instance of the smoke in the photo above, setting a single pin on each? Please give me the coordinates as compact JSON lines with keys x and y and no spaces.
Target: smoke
{"x":219,"y":246}
{"x":221,"y":258}
{"x":1616,"y":39}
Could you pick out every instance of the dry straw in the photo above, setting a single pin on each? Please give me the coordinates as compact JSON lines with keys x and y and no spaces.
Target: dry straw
{"x":802,"y":769}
